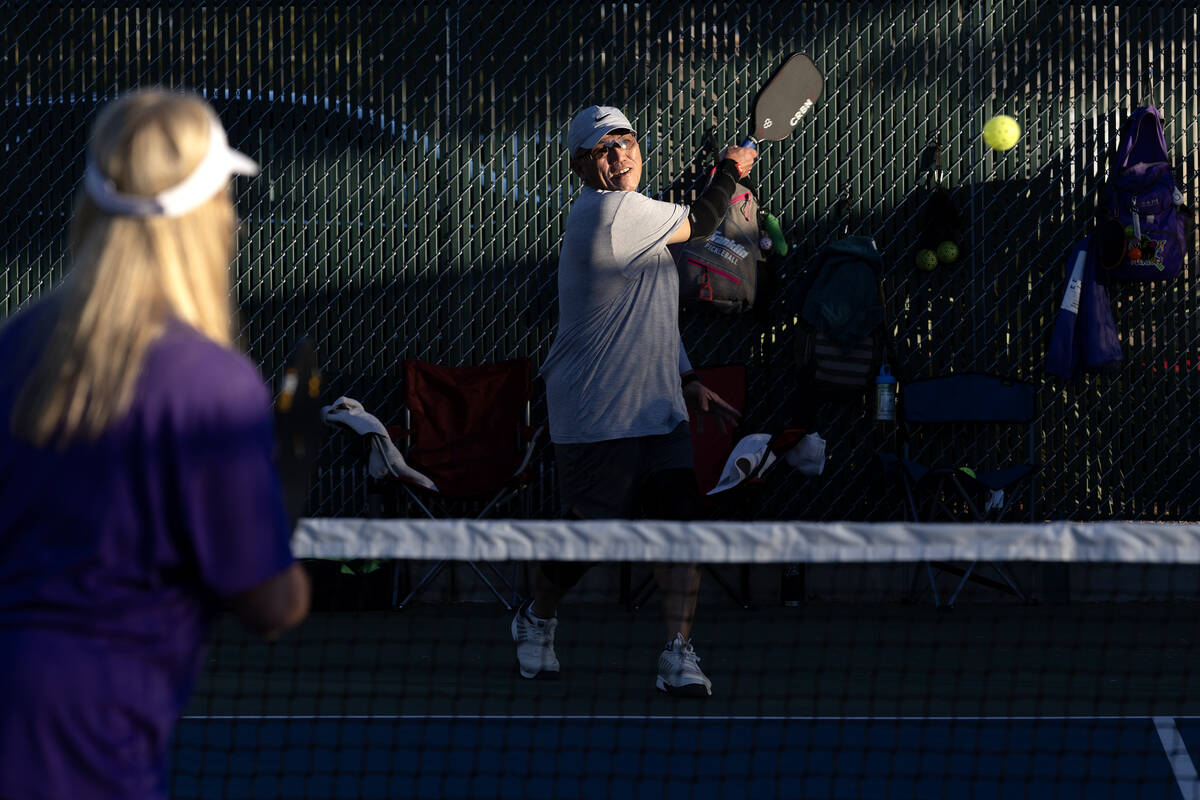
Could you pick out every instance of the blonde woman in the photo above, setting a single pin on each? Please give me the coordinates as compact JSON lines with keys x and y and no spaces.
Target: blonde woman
{"x":138,"y":492}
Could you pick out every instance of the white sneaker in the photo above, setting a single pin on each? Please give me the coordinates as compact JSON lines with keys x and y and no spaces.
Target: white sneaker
{"x":679,"y":670}
{"x":535,"y":644}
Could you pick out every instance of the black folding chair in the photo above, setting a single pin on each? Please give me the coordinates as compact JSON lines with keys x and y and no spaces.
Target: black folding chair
{"x":967,"y":451}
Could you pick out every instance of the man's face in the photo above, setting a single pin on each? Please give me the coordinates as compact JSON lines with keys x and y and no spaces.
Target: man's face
{"x":614,"y":164}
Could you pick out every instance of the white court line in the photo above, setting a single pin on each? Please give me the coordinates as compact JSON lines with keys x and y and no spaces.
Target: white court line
{"x":712,"y":717}
{"x":1177,"y":754}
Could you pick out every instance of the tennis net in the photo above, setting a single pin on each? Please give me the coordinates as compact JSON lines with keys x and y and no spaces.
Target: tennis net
{"x":846,"y":660}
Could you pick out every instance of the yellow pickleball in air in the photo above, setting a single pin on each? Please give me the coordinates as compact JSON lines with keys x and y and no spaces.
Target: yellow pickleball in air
{"x":1001,"y":132}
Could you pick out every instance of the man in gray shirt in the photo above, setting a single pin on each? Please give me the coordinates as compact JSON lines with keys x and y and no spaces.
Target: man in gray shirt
{"x":619,"y":385}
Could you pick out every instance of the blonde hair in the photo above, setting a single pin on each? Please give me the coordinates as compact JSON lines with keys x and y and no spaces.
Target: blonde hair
{"x":130,"y":275}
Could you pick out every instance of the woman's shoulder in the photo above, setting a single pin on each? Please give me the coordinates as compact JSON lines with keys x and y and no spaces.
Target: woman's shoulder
{"x":185,"y":363}
{"x":32,"y":321}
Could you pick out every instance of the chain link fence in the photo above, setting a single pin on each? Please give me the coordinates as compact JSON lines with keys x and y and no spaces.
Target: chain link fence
{"x":414,"y":191}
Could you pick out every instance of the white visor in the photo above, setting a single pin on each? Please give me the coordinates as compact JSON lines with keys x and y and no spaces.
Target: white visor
{"x":219,"y":164}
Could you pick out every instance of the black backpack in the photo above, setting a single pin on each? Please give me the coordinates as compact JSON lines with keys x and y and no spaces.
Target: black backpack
{"x":840,"y":341}
{"x":720,"y":273}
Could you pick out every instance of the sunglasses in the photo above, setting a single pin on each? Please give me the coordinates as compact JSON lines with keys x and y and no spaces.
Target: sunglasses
{"x":600,"y":151}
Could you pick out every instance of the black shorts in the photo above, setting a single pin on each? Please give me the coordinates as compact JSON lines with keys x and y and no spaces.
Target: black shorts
{"x":601,"y":480}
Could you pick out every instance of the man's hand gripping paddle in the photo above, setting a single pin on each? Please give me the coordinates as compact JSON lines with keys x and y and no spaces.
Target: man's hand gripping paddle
{"x":784,"y":100}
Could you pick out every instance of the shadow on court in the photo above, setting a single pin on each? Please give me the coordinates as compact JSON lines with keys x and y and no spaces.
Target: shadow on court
{"x":816,"y":660}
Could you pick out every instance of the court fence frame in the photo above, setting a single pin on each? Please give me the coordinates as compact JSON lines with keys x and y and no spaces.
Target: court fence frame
{"x":414,"y":191}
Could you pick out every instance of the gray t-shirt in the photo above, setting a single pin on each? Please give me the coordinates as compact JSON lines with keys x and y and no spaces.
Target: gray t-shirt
{"x":613,"y":371}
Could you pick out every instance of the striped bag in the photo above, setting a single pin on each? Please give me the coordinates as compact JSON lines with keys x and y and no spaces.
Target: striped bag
{"x":829,"y":368}
{"x":841,"y":336}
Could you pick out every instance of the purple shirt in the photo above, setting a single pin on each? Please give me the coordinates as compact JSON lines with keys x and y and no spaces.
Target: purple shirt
{"x":115,"y":555}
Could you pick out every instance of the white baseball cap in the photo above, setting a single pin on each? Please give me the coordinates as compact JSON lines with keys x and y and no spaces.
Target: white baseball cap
{"x":593,"y":124}
{"x":750,"y":453}
{"x":808,"y":456}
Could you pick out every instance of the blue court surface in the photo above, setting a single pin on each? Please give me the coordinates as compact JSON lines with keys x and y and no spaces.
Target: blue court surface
{"x":701,"y":757}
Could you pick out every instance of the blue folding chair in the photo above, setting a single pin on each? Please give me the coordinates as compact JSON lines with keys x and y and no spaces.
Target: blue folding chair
{"x":967,"y":452}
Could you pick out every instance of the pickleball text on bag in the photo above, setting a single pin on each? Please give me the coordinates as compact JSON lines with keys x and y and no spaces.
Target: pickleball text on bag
{"x":720,"y":273}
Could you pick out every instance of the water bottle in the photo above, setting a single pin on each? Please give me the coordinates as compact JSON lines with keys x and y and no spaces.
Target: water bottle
{"x":885,"y":394}
{"x":774,"y":231}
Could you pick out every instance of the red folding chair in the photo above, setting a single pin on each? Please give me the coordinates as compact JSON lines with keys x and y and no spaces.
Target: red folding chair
{"x":712,"y":442}
{"x":467,"y":428}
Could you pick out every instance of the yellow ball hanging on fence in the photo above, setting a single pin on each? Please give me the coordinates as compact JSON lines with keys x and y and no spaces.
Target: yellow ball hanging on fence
{"x":947,"y":252}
